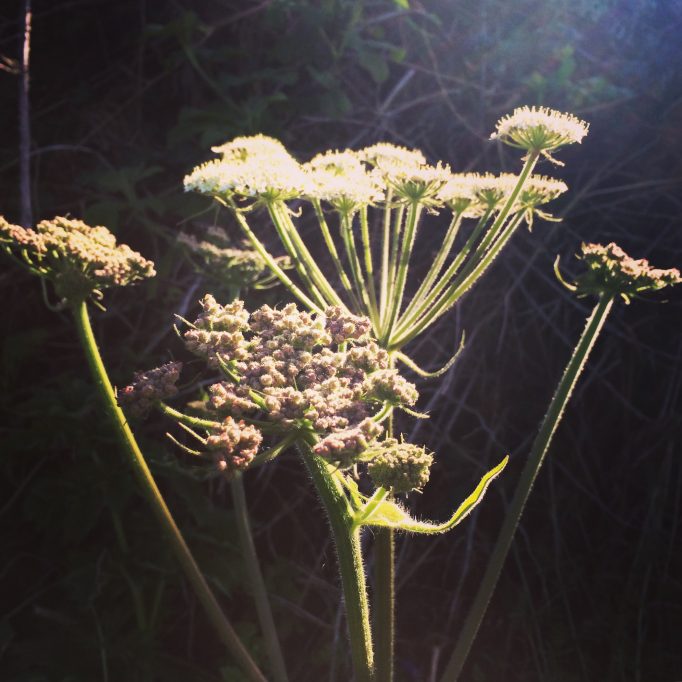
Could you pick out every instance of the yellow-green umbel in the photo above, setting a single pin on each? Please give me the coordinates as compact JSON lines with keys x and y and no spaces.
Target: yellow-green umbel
{"x":398,"y":467}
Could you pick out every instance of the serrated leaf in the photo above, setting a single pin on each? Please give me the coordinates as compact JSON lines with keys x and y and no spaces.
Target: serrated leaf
{"x":390,"y":514}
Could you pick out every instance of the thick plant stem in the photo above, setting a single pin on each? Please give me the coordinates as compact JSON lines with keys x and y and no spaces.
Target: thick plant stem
{"x":384,"y":602}
{"x":257,"y":584}
{"x":537,"y":454}
{"x":351,"y":568}
{"x":156,"y":501}
{"x":384,"y":591}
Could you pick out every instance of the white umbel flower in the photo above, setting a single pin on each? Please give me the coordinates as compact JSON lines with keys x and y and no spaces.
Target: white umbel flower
{"x":275,"y":178}
{"x":385,"y":153}
{"x":539,"y":189}
{"x":538,"y":129}
{"x":340,"y":179}
{"x":248,"y":147}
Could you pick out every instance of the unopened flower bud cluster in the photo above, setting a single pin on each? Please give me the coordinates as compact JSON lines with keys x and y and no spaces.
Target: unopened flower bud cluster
{"x":611,"y":270}
{"x":149,"y":387}
{"x":76,"y":257}
{"x":299,"y":370}
{"x":238,"y":266}
{"x":234,"y":445}
{"x":398,"y":467}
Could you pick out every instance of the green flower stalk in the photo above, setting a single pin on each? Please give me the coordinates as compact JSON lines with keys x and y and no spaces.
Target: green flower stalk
{"x":80,"y":261}
{"x":610,"y":273}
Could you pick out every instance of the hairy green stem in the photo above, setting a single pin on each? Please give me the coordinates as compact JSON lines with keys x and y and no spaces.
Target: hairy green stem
{"x":419,"y":305}
{"x":156,"y":501}
{"x":396,"y":232}
{"x":331,"y":247}
{"x":351,"y":568}
{"x":384,"y":602}
{"x":385,"y":253}
{"x":369,"y":267}
{"x":269,"y":260}
{"x":256,"y":582}
{"x":316,"y":274}
{"x":458,"y":288}
{"x":187,"y":419}
{"x":439,"y":260}
{"x":384,"y":588}
{"x":594,"y":324}
{"x":355,"y":267}
{"x":413,"y":213}
{"x":300,"y":265}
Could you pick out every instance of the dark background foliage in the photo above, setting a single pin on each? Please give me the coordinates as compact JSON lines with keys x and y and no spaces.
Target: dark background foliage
{"x":126,"y":97}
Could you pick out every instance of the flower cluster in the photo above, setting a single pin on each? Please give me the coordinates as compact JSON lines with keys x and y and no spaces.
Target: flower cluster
{"x":149,"y":387}
{"x":612,"y":271}
{"x":256,"y":167}
{"x":297,"y":370}
{"x":386,"y":155}
{"x":345,"y":446}
{"x":218,"y":331}
{"x":233,"y":445}
{"x":474,"y":194}
{"x":340,"y":179}
{"x":398,"y":467}
{"x":239,"y":267}
{"x":77,"y":258}
{"x":539,"y":129}
{"x":261,"y":168}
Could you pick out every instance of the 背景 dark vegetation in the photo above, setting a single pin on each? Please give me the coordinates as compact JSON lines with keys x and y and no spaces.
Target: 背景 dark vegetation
{"x":125,"y":99}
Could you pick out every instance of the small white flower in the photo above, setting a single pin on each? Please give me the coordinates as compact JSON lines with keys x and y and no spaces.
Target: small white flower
{"x":539,"y":129}
{"x":340,"y":179}
{"x":245,"y":148}
{"x":385,"y":153}
{"x":268,"y":178}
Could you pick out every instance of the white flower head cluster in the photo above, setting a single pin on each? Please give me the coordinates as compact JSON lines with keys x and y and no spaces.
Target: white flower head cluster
{"x":538,"y":190}
{"x":460,"y":193}
{"x":78,"y":259}
{"x":405,"y":172}
{"x":340,"y":179}
{"x":385,"y":154}
{"x":258,"y":168}
{"x":417,"y":183}
{"x":250,"y":147}
{"x":476,"y":193}
{"x":539,"y":129}
{"x":490,"y":191}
